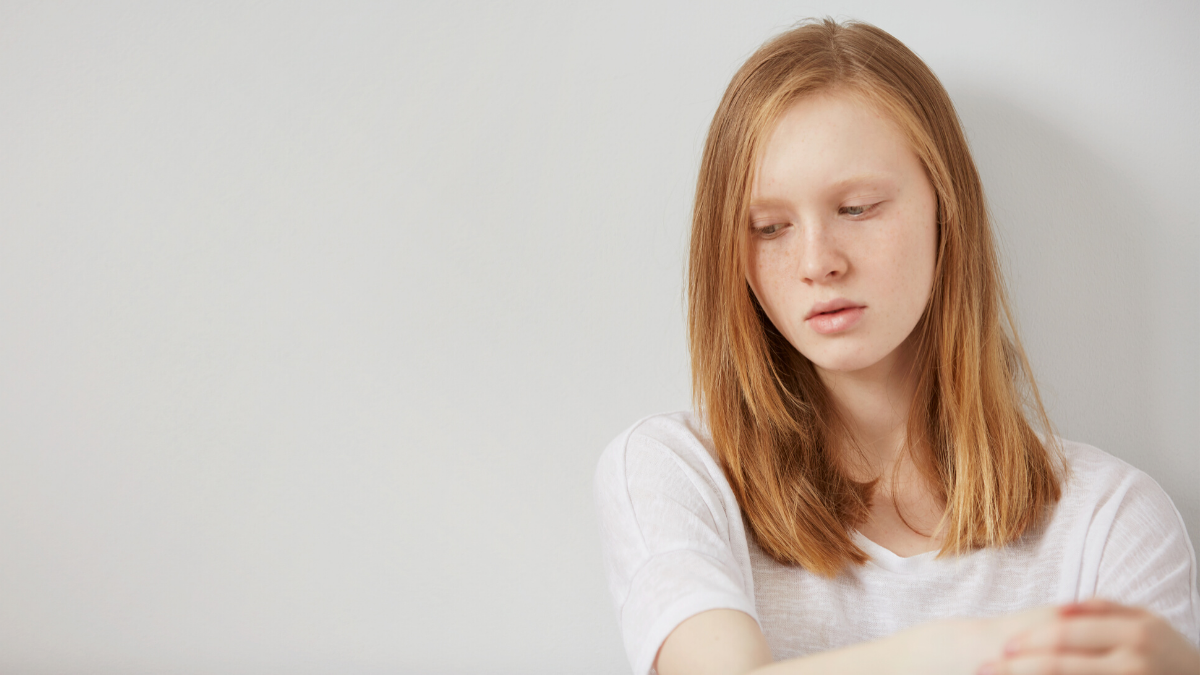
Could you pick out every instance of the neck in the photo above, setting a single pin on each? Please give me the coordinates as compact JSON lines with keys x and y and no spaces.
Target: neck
{"x":874,"y":403}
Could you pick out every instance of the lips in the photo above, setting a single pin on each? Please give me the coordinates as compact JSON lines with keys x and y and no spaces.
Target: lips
{"x":830,"y":307}
{"x":834,"y":316}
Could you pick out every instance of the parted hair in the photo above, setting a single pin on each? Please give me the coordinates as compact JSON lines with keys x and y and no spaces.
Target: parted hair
{"x":973,"y":426}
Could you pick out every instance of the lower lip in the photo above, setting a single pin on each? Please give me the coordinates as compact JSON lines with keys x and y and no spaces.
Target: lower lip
{"x":836,"y":322}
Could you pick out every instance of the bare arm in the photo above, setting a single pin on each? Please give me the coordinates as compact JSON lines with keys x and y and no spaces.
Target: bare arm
{"x":729,"y":642}
{"x":716,"y":642}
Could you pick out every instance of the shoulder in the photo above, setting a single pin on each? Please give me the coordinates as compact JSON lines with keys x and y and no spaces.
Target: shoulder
{"x":1113,"y":498}
{"x":658,"y":448}
{"x":680,"y":432}
{"x":1094,"y":462}
{"x":1091,"y":469}
{"x":662,"y":469}
{"x":1096,"y":481}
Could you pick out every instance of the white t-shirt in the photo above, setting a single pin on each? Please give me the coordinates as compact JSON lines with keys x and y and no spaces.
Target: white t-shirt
{"x":675,"y":545}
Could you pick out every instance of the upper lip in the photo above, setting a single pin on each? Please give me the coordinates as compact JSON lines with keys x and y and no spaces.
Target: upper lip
{"x":830,"y":306}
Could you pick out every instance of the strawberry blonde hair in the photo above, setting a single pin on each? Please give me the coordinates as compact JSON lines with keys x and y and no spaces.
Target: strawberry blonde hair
{"x":772,"y":421}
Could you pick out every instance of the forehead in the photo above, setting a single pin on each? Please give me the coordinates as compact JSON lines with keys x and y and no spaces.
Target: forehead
{"x":825,"y":140}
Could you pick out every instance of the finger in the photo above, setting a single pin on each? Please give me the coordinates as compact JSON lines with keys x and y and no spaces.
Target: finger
{"x":1053,"y":664}
{"x":1084,"y":633}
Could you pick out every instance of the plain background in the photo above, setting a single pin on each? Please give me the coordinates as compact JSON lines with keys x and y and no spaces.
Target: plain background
{"x":314,"y":319}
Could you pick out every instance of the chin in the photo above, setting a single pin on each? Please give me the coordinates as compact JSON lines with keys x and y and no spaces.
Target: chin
{"x":844,"y":363}
{"x":841,"y":367}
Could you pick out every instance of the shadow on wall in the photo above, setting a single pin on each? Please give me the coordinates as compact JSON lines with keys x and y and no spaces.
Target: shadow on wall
{"x":1068,"y":229}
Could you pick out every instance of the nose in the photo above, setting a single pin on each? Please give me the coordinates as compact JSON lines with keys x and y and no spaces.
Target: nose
{"x":821,"y":258}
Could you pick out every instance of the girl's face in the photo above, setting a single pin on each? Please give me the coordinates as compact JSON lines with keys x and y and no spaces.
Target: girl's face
{"x":843,"y":234}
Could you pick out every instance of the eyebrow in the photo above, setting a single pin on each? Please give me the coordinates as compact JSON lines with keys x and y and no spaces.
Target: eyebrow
{"x":871,"y":178}
{"x":862,"y":178}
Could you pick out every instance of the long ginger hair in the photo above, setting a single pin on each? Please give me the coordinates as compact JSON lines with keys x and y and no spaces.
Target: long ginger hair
{"x":772,"y":421}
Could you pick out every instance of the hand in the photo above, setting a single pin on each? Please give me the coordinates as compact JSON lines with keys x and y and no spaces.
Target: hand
{"x":1098,"y":637}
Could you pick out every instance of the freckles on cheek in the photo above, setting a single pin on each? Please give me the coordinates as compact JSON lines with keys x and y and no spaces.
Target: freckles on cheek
{"x":754,"y":268}
{"x":903,"y":255}
{"x":767,"y":271}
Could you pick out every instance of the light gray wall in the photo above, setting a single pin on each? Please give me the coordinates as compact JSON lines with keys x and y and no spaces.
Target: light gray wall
{"x":314,"y":319}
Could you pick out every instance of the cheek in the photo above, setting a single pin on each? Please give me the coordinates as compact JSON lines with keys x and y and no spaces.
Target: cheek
{"x":759,"y":274}
{"x":915,"y":264}
{"x":925,"y":255}
{"x":901,"y":269}
{"x":754,"y":272}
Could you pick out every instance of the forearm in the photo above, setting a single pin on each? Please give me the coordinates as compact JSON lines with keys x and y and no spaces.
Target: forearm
{"x":864,"y":658}
{"x":954,"y":646}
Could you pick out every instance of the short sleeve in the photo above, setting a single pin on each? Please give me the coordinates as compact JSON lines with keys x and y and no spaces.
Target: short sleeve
{"x":1147,"y":559}
{"x":672,"y":535}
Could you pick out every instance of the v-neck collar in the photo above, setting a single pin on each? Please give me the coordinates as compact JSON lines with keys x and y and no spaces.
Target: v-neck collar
{"x":891,"y":562}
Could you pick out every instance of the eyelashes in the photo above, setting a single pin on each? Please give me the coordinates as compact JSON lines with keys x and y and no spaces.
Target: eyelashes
{"x":854,"y":212}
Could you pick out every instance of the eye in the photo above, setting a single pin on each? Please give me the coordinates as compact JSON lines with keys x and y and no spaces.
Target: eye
{"x":771,"y":230}
{"x":857,"y":210}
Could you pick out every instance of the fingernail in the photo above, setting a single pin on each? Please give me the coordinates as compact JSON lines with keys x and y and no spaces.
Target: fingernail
{"x":987,"y":669}
{"x":1012,"y":647}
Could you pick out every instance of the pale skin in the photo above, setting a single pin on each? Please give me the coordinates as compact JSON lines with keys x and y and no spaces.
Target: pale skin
{"x":842,"y":211}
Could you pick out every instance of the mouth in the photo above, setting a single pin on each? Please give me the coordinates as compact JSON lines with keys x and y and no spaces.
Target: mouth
{"x":832,"y":307}
{"x":834,"y":317}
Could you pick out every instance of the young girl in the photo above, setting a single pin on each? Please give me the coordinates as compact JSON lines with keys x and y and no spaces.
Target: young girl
{"x":871,"y":464}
